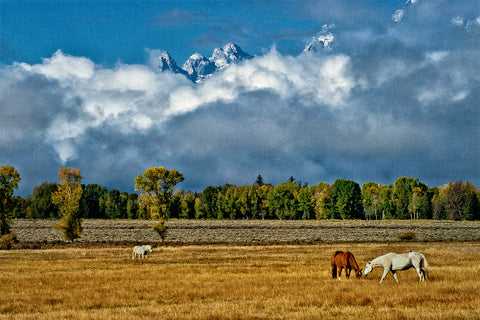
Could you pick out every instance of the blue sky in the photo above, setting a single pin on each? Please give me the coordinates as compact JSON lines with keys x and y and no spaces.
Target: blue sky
{"x":394,"y":94}
{"x":111,"y":31}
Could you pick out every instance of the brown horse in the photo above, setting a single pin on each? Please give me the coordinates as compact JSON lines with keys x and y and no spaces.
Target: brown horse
{"x":344,"y":260}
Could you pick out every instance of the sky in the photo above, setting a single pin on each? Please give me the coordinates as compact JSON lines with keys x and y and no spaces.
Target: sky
{"x":395,"y":93}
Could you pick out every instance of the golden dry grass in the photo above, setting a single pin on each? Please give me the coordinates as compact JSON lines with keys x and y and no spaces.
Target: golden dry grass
{"x":235,"y":282}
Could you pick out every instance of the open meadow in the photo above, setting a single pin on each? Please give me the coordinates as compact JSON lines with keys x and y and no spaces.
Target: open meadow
{"x":236,"y":282}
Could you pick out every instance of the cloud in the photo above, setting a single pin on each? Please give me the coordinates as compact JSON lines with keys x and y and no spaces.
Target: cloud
{"x":388,"y":109}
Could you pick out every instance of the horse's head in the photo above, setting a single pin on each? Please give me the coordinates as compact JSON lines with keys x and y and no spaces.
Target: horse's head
{"x":149,"y":248}
{"x":358,"y":274}
{"x":368,"y":268}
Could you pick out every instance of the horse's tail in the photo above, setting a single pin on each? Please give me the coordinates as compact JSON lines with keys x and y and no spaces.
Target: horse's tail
{"x":425,"y":264}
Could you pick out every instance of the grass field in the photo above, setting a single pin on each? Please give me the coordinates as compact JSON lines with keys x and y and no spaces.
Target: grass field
{"x":235,"y":282}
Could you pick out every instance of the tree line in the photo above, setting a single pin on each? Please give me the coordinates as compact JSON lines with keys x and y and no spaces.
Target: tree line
{"x":70,"y":201}
{"x":407,"y":198}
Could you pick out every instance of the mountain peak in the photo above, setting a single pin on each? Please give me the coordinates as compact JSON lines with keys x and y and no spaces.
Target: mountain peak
{"x":229,"y":53}
{"x":198,"y":67}
{"x":321,"y":40}
{"x":166,"y":62}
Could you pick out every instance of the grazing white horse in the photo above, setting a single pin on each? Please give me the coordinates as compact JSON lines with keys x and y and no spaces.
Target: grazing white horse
{"x":394,"y":262}
{"x":141,"y":251}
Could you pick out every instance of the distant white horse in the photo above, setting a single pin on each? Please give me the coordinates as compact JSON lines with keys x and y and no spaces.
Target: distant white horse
{"x":141,"y":251}
{"x":394,"y":262}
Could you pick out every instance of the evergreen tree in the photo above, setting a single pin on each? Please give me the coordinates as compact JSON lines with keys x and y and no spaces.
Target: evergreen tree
{"x":347,"y":199}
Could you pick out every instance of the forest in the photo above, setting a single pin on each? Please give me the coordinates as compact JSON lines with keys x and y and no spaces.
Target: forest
{"x":407,"y":198}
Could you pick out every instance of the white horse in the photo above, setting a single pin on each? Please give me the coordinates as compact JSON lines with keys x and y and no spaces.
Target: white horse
{"x":141,"y":251}
{"x":394,"y":262}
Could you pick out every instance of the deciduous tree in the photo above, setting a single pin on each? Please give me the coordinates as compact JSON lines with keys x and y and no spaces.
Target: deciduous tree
{"x":67,"y":198}
{"x":40,"y":205}
{"x":157,"y":186}
{"x":9,"y":180}
{"x":402,"y":193}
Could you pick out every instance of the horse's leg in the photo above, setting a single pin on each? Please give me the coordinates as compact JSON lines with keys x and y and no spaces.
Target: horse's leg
{"x":347,"y":272}
{"x":395,"y":275}
{"x":385,"y":271}
{"x":421,"y":274}
{"x":339,"y":272}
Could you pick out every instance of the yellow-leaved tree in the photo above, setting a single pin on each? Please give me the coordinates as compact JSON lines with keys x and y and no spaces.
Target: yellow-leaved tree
{"x":67,"y":198}
{"x":9,"y":180}
{"x":156,"y":186}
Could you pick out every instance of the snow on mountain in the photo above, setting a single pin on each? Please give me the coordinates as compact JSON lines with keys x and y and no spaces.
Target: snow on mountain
{"x":199,"y":67}
{"x":321,"y":40}
{"x":223,"y":57}
{"x":166,"y":62}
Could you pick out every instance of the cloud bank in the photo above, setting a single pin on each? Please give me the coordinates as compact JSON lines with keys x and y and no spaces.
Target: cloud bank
{"x":387,"y":110}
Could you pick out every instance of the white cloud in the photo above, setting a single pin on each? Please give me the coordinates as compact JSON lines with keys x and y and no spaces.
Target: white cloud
{"x":131,"y":98}
{"x":63,"y":67}
{"x":436,"y":56}
{"x":376,"y":112}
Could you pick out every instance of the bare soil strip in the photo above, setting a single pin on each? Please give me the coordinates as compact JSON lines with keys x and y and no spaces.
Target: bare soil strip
{"x":41,"y":233}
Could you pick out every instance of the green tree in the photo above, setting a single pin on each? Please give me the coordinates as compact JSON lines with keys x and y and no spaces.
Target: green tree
{"x":19,"y":207}
{"x":259,"y":181}
{"x":112,"y":204}
{"x":322,"y":193}
{"x":132,"y":206}
{"x":284,"y":201}
{"x":460,"y":201}
{"x":370,"y":199}
{"x":67,"y":198}
{"x":199,"y":208}
{"x":386,"y":201}
{"x":347,"y":199}
{"x":40,"y":205}
{"x":188,"y":206}
{"x":92,"y":202}
{"x":419,"y":207}
{"x":231,"y":204}
{"x":210,"y":196}
{"x":402,"y":194}
{"x":9,"y":180}
{"x":157,"y":186}
{"x":175,"y":208}
{"x":306,"y":204}
{"x":471,"y":202}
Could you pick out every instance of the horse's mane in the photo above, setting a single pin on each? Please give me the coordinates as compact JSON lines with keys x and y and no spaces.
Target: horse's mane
{"x":353,"y":262}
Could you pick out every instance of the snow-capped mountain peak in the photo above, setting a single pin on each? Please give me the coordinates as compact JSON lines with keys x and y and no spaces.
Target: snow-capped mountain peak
{"x":166,"y":62}
{"x":222,"y":57}
{"x":321,"y":40}
{"x":198,"y":67}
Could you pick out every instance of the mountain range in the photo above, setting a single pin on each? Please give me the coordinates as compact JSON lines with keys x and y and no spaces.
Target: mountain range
{"x":199,"y":67}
